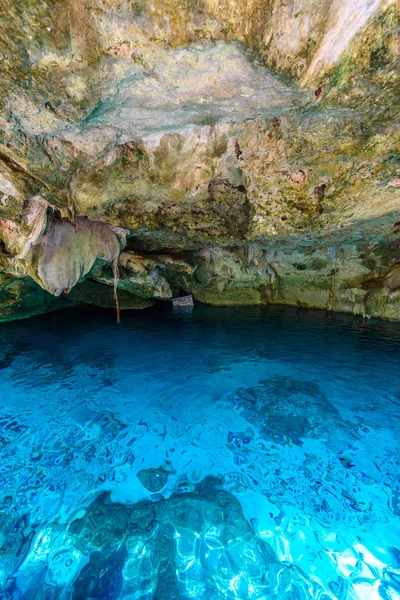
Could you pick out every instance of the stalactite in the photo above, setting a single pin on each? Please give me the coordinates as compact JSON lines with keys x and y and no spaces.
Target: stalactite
{"x":271,"y":273}
{"x":333,"y":253}
{"x":205,"y":254}
{"x":250,"y":253}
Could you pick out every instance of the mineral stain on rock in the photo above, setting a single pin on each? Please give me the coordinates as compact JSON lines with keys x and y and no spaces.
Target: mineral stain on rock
{"x":172,"y":128}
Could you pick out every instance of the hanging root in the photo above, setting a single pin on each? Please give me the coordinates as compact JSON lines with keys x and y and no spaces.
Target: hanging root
{"x":116,"y":279}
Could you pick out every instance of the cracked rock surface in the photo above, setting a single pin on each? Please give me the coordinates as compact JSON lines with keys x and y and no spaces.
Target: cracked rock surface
{"x":245,"y":154}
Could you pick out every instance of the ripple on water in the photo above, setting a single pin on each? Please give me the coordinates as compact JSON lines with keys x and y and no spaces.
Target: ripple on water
{"x":242,"y":453}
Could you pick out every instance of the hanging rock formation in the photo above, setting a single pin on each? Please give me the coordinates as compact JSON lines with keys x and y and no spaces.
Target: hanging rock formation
{"x":155,"y":135}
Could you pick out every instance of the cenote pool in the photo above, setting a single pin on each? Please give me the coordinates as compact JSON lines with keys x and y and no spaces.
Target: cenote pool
{"x":236,"y":453}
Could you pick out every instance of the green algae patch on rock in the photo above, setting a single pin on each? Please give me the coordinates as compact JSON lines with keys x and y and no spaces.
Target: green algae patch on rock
{"x":139,"y":275}
{"x":21,"y":298}
{"x":97,"y":294}
{"x":230,"y":297}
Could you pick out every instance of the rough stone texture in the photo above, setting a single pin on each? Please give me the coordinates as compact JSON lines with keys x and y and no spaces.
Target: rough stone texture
{"x":192,"y":545}
{"x":160,"y":122}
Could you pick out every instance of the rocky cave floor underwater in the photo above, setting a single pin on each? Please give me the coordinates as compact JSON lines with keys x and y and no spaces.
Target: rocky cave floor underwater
{"x":240,"y":453}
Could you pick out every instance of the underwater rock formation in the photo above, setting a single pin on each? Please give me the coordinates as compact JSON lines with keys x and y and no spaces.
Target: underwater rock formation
{"x":163,"y":123}
{"x":286,"y":409}
{"x":196,"y":544}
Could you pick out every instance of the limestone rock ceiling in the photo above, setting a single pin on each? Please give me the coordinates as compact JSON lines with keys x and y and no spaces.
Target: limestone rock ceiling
{"x":163,"y":124}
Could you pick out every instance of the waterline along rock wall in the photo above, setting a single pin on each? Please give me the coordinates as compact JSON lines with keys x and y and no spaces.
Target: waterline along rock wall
{"x":243,"y":152}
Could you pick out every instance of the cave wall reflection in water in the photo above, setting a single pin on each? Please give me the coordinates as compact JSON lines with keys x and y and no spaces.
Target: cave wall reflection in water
{"x":237,"y":453}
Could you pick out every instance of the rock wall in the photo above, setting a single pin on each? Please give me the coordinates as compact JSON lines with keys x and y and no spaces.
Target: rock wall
{"x":152,"y":142}
{"x":362,"y":278}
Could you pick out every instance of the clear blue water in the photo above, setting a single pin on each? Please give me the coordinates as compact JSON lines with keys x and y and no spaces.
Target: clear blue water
{"x":237,"y":453}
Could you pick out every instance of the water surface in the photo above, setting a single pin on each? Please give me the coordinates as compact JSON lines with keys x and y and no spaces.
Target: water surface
{"x":236,"y":453}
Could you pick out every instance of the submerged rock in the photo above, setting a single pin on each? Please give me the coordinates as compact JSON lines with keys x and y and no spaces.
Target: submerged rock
{"x":153,"y":479}
{"x":287,"y":410}
{"x":191,"y":545}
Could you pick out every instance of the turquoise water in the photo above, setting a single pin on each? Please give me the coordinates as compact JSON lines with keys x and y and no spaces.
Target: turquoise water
{"x":237,"y":453}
